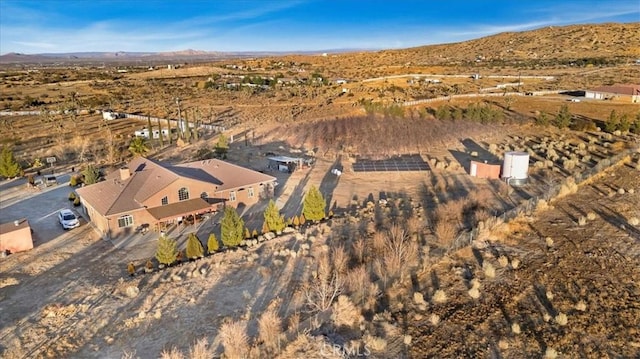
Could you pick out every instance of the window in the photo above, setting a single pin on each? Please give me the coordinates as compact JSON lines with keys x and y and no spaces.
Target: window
{"x":204,"y":195}
{"x":165,"y":200}
{"x":183,"y":194}
{"x":232,"y":196}
{"x":125,"y":221}
{"x":250,"y":192}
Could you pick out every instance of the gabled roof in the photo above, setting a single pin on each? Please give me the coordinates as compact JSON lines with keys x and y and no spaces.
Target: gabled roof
{"x":619,"y":89}
{"x":149,"y":177}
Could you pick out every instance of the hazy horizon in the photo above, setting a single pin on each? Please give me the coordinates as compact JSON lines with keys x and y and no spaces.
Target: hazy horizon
{"x":37,"y":27}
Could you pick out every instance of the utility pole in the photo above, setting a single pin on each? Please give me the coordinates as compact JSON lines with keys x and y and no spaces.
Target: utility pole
{"x":179,"y":118}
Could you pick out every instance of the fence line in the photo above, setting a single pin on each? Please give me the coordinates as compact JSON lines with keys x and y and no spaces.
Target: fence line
{"x":529,"y":206}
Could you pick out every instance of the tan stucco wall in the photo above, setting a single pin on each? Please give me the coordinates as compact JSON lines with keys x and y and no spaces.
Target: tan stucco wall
{"x":16,"y":241}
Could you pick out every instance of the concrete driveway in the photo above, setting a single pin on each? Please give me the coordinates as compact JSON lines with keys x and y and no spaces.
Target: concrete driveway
{"x":39,"y":207}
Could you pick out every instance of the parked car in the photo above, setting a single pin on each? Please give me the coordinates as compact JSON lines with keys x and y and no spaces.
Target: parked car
{"x":68,"y":219}
{"x":50,"y":180}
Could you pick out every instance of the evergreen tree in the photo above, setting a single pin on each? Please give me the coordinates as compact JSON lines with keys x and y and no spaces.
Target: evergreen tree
{"x":313,"y":205}
{"x":222,"y":146}
{"x":273,"y":218}
{"x":625,"y":124}
{"x":194,"y":247}
{"x":212,"y":244}
{"x":612,"y":122}
{"x":563,"y":118}
{"x":9,"y":167}
{"x":542,"y":119}
{"x":167,"y":251}
{"x":232,"y":227}
{"x":91,"y":175}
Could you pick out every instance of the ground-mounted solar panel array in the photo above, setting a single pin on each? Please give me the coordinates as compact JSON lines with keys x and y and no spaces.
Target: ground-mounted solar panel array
{"x":392,"y":164}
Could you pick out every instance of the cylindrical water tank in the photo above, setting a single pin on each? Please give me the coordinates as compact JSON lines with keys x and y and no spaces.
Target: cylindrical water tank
{"x":516,"y":167}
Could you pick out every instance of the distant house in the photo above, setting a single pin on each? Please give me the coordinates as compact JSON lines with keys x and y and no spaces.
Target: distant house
{"x":618,"y":92}
{"x":156,"y":133}
{"x":15,"y":236}
{"x":147,"y":193}
{"x":285,"y":163}
{"x":110,"y":115}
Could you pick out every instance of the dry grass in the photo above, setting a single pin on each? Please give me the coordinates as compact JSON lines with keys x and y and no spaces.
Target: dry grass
{"x":233,"y":336}
{"x":201,"y":350}
{"x":172,"y":353}
{"x":345,"y":313}
{"x":339,"y":258}
{"x":446,"y":232}
{"x":270,"y":330}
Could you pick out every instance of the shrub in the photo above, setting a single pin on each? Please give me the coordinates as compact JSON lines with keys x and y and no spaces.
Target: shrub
{"x":234,"y":339}
{"x":201,"y":350}
{"x":434,"y":319}
{"x":270,"y":330}
{"x":474,"y":293}
{"x":194,"y":247}
{"x":634,"y":221}
{"x":582,"y":221}
{"x":489,"y":270}
{"x":446,"y":232}
{"x":515,"y":328}
{"x":72,"y":196}
{"x":212,"y":243}
{"x":131,"y":269}
{"x":76,"y":201}
{"x":73,"y":181}
{"x":561,"y":319}
{"x":503,"y":261}
{"x":148,"y":266}
{"x":439,"y":296}
{"x":345,"y":313}
{"x":167,"y":252}
{"x":232,"y":228}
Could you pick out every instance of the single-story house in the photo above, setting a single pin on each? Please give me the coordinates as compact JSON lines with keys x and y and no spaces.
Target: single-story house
{"x":150,"y":194}
{"x":618,"y":92}
{"x":15,"y":236}
{"x":285,"y":163}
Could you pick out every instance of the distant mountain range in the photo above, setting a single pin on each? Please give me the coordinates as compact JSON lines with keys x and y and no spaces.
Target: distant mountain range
{"x":144,"y":57}
{"x":612,"y":40}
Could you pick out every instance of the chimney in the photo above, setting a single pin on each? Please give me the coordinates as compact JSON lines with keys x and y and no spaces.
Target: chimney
{"x":124,"y":173}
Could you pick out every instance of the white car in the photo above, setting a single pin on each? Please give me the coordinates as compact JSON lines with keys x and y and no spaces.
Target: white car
{"x":68,"y":219}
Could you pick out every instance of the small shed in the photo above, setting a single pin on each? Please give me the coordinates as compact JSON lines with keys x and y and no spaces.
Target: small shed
{"x":484,"y":170}
{"x":15,"y":236}
{"x":285,"y":163}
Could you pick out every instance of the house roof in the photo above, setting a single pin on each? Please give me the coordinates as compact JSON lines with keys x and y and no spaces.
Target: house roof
{"x":9,"y":227}
{"x":619,"y":89}
{"x":148,"y":177}
{"x":226,"y":175}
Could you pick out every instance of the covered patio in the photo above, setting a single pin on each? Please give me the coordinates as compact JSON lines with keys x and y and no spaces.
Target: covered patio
{"x":184,"y":213}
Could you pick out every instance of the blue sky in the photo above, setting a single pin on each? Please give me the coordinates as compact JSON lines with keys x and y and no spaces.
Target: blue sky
{"x":47,"y":26}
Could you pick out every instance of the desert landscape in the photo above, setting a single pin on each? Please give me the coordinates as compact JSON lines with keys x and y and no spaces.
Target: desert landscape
{"x":404,"y":261}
